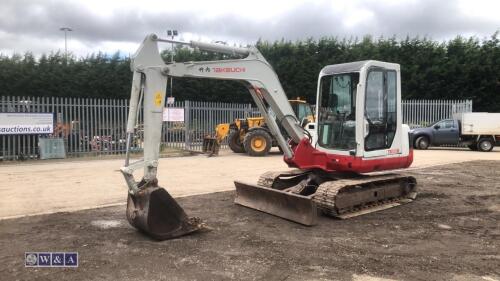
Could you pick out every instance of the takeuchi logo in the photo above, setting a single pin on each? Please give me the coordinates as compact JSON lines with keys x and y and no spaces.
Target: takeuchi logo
{"x":221,"y":69}
{"x":229,"y":69}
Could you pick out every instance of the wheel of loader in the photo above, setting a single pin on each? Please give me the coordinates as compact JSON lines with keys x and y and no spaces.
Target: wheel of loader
{"x":257,"y":143}
{"x":234,"y":142}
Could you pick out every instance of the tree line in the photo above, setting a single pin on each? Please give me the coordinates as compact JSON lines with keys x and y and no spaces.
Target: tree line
{"x":461,"y":68}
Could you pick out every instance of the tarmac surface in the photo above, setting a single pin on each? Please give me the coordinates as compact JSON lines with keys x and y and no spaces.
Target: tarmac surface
{"x":450,"y":232}
{"x":43,"y":187}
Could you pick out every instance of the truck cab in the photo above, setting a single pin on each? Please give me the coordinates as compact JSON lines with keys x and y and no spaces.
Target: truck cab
{"x":442,"y":132}
{"x":446,"y":132}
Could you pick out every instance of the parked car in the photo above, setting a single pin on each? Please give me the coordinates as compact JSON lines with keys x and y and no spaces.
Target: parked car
{"x":477,"y":131}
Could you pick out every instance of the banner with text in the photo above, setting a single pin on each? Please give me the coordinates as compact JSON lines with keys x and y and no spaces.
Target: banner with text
{"x":173,"y":114}
{"x":26,"y":123}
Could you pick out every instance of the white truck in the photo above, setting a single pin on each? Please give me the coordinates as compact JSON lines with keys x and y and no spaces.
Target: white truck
{"x":476,"y":130}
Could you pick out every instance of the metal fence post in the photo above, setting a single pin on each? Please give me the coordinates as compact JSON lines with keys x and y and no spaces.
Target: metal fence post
{"x":187,"y":126}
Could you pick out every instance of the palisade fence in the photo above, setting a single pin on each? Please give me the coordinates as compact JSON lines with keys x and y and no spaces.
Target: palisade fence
{"x":91,"y":127}
{"x":97,"y":126}
{"x":422,"y":113}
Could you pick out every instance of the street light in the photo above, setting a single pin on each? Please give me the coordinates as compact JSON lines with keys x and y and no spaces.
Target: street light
{"x":172,"y":33}
{"x":66,"y":30}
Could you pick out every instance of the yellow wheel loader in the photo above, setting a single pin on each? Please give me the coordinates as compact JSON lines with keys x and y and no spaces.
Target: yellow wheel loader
{"x":251,"y":135}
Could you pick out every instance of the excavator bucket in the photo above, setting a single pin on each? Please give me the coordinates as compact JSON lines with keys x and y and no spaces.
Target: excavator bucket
{"x":154,"y":212}
{"x":287,"y":205}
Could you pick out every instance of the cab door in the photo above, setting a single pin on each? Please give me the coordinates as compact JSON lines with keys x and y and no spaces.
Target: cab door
{"x":380,"y":112}
{"x":445,"y":133}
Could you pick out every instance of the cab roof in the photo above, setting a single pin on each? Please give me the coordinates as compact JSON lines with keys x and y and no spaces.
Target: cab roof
{"x":356,"y":66}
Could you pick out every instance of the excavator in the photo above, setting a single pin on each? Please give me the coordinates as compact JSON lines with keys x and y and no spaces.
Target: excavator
{"x":358,"y":131}
{"x":251,"y":135}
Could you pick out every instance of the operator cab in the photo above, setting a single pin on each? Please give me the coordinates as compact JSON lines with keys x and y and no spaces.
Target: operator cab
{"x":365,"y":91}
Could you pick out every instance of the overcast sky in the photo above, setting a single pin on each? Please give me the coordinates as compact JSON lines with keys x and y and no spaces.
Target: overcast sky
{"x":109,"y":26}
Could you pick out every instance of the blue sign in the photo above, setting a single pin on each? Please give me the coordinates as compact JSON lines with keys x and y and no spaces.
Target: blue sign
{"x":57,"y":259}
{"x":71,"y":259}
{"x":51,"y":259}
{"x":44,"y":259}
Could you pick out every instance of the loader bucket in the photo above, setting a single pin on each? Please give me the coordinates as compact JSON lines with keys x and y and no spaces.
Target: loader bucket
{"x":210,"y":146}
{"x":290,"y":206}
{"x":154,"y":212}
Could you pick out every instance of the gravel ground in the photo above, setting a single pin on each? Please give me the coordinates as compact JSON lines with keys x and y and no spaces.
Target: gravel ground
{"x":451,"y":232}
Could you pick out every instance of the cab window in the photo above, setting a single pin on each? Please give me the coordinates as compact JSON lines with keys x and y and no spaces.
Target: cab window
{"x":445,"y":124}
{"x":448,"y":124}
{"x":303,"y":110}
{"x":337,"y":112}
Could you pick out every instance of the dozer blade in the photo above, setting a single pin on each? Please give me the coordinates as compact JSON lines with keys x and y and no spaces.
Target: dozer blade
{"x":287,"y":205}
{"x":153,"y":211}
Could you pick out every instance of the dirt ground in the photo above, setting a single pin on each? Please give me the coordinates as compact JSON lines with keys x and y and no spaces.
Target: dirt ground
{"x":41,"y":187}
{"x":451,"y":232}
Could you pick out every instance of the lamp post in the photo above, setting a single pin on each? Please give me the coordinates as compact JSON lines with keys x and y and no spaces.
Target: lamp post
{"x":172,"y":33}
{"x":66,"y":30}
